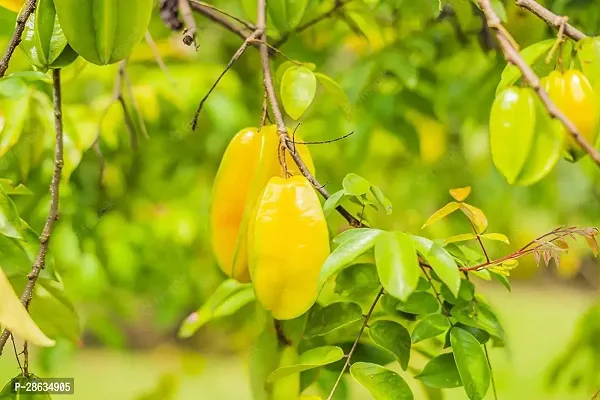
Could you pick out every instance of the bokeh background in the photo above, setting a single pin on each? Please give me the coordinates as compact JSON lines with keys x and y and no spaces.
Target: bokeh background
{"x":132,"y":243}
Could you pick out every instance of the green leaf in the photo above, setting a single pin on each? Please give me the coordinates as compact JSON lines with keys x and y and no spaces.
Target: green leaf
{"x":228,"y":298}
{"x":10,"y":221}
{"x":11,"y":190}
{"x":350,"y":233}
{"x":588,"y":53}
{"x":441,"y":213}
{"x":512,"y":131}
{"x":17,"y":113}
{"x":476,"y":216}
{"x":502,"y":279}
{"x":103,"y":32}
{"x":495,"y":236}
{"x":283,"y":67}
{"x":440,"y":261}
{"x":441,"y":372}
{"x":463,"y":237}
{"x":14,"y":316}
{"x":312,"y":358}
{"x":382,"y":383}
{"x":336,"y":91}
{"x":382,"y":200}
{"x":478,"y":315}
{"x":356,"y":244}
{"x":471,"y":362}
{"x":500,"y":10}
{"x":530,"y":55}
{"x":358,"y":281}
{"x":466,"y":292}
{"x":397,"y":264}
{"x":334,"y":316}
{"x":298,"y":88}
{"x":430,"y":326}
{"x":332,"y":202}
{"x":355,"y":185}
{"x":264,"y":359}
{"x":286,"y":14}
{"x":51,"y":309}
{"x":419,"y":303}
{"x":393,"y":337}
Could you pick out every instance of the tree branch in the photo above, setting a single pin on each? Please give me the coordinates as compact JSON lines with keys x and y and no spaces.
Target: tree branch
{"x":246,"y":24}
{"x":40,"y":261}
{"x":281,"y":128}
{"x":185,"y":10}
{"x":550,"y":18}
{"x":16,"y":37}
{"x":512,"y":56}
{"x":338,"y":4}
{"x":249,"y":40}
{"x":349,"y":356}
{"x":219,"y":19}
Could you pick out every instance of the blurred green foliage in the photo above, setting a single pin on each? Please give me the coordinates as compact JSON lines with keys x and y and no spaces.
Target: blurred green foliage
{"x":132,"y":243}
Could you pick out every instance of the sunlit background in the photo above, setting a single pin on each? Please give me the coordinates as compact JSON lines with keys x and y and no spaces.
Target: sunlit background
{"x":132,"y":243}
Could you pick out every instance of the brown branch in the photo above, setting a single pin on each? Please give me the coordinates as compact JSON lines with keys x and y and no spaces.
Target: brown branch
{"x":246,"y":24}
{"x":224,"y":22}
{"x":158,"y":58}
{"x":17,"y":34}
{"x":237,"y":55}
{"x":281,"y":128}
{"x":338,"y":4}
{"x":513,"y":57}
{"x":191,"y":29}
{"x":40,"y":261}
{"x":360,"y":332}
{"x":550,"y":18}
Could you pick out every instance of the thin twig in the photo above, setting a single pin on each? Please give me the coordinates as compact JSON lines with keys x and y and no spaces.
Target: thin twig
{"x":487,"y":357}
{"x":512,"y":56}
{"x":338,"y":4}
{"x":40,"y":260}
{"x":276,"y":50}
{"x":189,"y":36}
{"x":559,"y":40}
{"x":281,"y":129}
{"x":25,"y":359}
{"x":237,"y":55}
{"x":595,"y":396}
{"x":158,"y":58}
{"x":17,"y":34}
{"x":349,"y":356}
{"x":12,"y":338}
{"x":550,"y":18}
{"x":224,"y":22}
{"x":246,"y":24}
{"x":325,"y":141}
{"x":134,"y":104}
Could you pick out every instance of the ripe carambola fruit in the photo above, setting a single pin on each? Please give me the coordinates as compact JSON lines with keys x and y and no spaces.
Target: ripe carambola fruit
{"x":574,"y":96}
{"x":104,"y":31}
{"x":288,"y":243}
{"x":250,"y":160}
{"x":43,"y":41}
{"x":12,"y":5}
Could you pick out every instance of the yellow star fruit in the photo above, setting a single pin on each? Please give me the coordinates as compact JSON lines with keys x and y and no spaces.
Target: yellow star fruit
{"x":250,"y":160}
{"x":12,"y":5}
{"x":288,"y":242}
{"x":574,"y":96}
